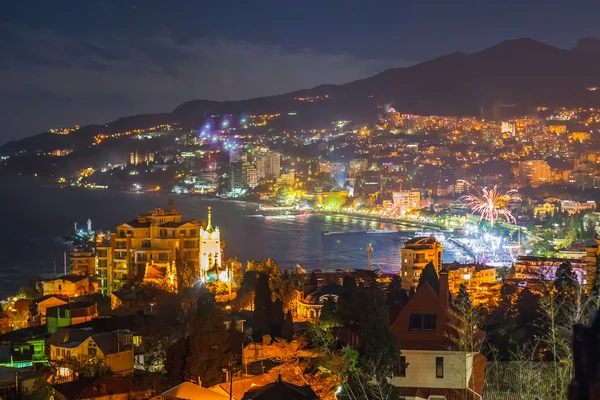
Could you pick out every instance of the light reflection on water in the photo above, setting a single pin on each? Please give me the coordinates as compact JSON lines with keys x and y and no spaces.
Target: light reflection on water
{"x":36,"y":217}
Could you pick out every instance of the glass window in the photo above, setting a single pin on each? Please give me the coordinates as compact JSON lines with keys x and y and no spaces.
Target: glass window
{"x":429,"y":322}
{"x":415,"y":322}
{"x":92,"y":349}
{"x":439,"y":367}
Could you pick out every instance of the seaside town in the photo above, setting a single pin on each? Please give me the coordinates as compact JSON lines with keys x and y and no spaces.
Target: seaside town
{"x":316,"y":200}
{"x":160,"y":307}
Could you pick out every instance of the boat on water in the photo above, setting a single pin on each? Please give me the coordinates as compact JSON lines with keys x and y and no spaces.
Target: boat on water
{"x":269,"y":211}
{"x":381,"y":231}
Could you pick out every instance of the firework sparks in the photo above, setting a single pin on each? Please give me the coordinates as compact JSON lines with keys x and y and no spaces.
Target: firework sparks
{"x":491,"y":204}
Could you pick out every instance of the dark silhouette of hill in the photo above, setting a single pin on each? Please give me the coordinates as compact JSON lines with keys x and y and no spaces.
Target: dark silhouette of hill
{"x":522,"y":72}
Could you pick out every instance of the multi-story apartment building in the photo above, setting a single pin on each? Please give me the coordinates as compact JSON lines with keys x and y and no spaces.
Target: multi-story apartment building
{"x":416,"y":253}
{"x":160,"y":239}
{"x":407,"y":200}
{"x":268,"y":165}
{"x":82,"y":261}
{"x":535,"y":172}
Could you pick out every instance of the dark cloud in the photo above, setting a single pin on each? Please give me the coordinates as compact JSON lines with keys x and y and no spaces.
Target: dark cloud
{"x":49,"y":79}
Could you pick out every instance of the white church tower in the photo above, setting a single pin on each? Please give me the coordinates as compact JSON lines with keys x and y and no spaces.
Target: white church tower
{"x":210,"y":246}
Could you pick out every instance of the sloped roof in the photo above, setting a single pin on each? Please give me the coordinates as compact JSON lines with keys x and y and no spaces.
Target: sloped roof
{"x":327,"y":290}
{"x":191,"y":391}
{"x":91,"y":387}
{"x":281,"y":390}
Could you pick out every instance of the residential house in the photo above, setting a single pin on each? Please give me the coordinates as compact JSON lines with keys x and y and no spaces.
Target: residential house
{"x":40,"y":305}
{"x":280,"y":390}
{"x":103,"y":388}
{"x":70,"y":286}
{"x":140,"y":298}
{"x":70,"y":314}
{"x":438,"y":367}
{"x":73,"y":349}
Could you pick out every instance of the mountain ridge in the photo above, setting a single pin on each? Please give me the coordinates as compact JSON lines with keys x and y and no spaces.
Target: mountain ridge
{"x":523,"y":71}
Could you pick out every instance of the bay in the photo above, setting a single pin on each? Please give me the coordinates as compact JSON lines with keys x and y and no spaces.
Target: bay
{"x":35,"y":216}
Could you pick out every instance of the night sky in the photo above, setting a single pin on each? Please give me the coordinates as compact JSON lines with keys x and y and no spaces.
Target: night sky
{"x":84,"y":61}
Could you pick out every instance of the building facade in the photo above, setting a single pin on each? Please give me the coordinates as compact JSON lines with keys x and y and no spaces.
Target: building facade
{"x":416,"y":254}
{"x":268,"y":165}
{"x":407,"y":200}
{"x":535,"y":172}
{"x":439,"y":367}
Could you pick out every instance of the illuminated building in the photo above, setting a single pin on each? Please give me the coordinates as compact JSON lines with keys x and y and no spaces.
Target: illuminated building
{"x":474,"y":277}
{"x":69,"y":348}
{"x":536,"y":269}
{"x":509,"y":127}
{"x":69,"y":286}
{"x":544,"y":209}
{"x":210,"y":246}
{"x":158,"y":239}
{"x":135,"y":158}
{"x":357,"y":166}
{"x":416,"y":254}
{"x":268,"y":165}
{"x":82,"y":261}
{"x":407,"y":200}
{"x":61,"y":152}
{"x":250,"y":175}
{"x":573,"y":207}
{"x":535,"y":172}
{"x":287,"y":178}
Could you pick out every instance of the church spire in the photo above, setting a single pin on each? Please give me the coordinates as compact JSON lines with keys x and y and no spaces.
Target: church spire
{"x":209,"y":227}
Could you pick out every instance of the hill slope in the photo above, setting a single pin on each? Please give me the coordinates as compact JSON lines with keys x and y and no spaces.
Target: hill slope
{"x":522,"y":72}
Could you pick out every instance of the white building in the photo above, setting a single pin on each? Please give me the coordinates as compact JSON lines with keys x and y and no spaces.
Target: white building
{"x":210,"y":246}
{"x":573,"y":207}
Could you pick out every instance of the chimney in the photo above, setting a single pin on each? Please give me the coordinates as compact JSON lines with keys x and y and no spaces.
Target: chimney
{"x":444,"y":295}
{"x":266,"y":339}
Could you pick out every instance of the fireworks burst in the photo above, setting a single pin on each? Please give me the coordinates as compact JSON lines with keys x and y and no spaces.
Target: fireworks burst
{"x":491,"y":204}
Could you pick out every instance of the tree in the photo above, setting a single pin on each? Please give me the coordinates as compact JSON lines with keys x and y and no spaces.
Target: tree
{"x":565,"y":281}
{"x":330,"y":313}
{"x":287,"y":331}
{"x":246,"y":292}
{"x":175,"y":363}
{"x":349,"y":283}
{"x":528,"y":313}
{"x":429,"y":274}
{"x":396,"y":296}
{"x":313,"y":281}
{"x":208,"y":343}
{"x":263,"y":307}
{"x":278,"y":318}
{"x":463,"y":299}
{"x":235,"y":340}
